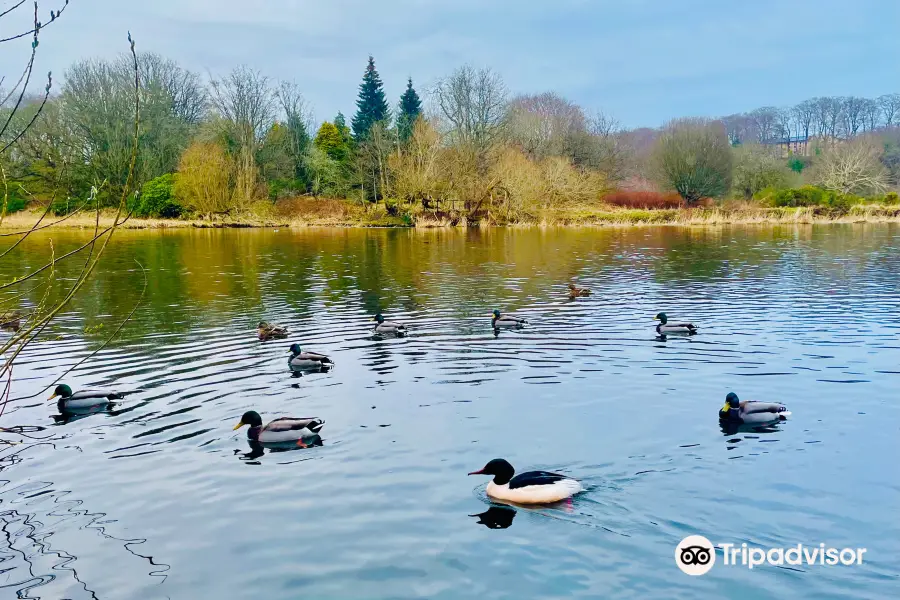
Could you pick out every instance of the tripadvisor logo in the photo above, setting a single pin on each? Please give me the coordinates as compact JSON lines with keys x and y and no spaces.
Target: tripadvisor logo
{"x":696,"y":555}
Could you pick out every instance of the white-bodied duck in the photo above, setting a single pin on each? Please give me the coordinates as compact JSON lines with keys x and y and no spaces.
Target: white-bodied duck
{"x":506,"y":321}
{"x":283,"y":429}
{"x":83,"y":399}
{"x":665,"y":326}
{"x":388,"y":327}
{"x":308,"y":360}
{"x":749,"y":412}
{"x":531,"y":487}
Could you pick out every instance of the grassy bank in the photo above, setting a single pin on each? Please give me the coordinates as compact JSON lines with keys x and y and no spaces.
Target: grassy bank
{"x":342,"y":213}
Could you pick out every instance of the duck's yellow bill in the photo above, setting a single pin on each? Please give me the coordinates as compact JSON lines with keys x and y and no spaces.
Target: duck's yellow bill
{"x":53,"y":396}
{"x":238,"y":426}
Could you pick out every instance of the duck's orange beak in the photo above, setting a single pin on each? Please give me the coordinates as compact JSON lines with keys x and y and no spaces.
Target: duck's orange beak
{"x":238,"y":426}
{"x":53,"y":396}
{"x":480,"y":472}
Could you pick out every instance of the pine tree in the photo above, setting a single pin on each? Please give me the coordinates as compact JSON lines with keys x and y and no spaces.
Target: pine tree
{"x":371,"y":105}
{"x":410,"y":109}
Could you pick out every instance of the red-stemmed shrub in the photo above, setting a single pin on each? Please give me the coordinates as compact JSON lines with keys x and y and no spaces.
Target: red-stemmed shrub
{"x":637,"y":199}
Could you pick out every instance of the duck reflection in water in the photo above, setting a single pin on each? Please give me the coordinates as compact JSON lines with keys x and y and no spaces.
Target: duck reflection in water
{"x":257,"y":449}
{"x":69,"y":414}
{"x":496,"y":517}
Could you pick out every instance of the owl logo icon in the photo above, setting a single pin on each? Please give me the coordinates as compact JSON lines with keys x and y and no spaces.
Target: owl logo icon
{"x":695,"y":555}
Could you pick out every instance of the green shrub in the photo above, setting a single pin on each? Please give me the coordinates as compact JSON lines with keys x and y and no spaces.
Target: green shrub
{"x":809,"y":196}
{"x":15,"y":204}
{"x":157,"y":199}
{"x":891,"y":198}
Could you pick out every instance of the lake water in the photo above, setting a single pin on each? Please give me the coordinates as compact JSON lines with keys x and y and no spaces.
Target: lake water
{"x":159,"y":498}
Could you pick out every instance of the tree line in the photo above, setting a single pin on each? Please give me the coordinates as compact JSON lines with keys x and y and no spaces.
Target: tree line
{"x":239,"y":143}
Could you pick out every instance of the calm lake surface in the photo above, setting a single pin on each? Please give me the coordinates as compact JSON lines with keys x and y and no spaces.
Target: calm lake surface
{"x":159,"y":498}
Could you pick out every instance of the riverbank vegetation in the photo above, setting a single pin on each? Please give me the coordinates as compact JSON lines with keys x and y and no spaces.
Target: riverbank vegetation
{"x":243,"y":150}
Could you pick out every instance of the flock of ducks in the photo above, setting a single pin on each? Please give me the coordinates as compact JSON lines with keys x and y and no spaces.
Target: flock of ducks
{"x":529,"y":488}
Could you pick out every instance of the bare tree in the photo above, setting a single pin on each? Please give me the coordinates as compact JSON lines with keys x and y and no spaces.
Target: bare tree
{"x":186,"y":93}
{"x":543,"y":125}
{"x":693,"y":157}
{"x":852,"y":115}
{"x":298,"y":119}
{"x":890,"y":107}
{"x":853,"y":168}
{"x":473,"y":101}
{"x":767,"y":124}
{"x":871,"y":115}
{"x":804,"y":114}
{"x":245,"y":101}
{"x":740,"y":129}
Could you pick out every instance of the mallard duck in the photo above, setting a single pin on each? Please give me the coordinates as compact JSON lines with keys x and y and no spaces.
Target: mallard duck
{"x":532,"y":487}
{"x":307,"y":360}
{"x":505,"y":321}
{"x":575,"y":292}
{"x":388,"y":326}
{"x":749,"y":412}
{"x":283,"y":429}
{"x":265,"y":331}
{"x":83,"y":399}
{"x":665,"y":327}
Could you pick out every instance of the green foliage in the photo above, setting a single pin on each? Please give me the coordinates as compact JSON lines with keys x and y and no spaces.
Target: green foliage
{"x":809,"y":195}
{"x":15,"y":204}
{"x":797,"y":164}
{"x":892,"y":198}
{"x":331,"y":142}
{"x":158,"y":200}
{"x":285,"y":188}
{"x":410,"y":109}
{"x":371,"y":105}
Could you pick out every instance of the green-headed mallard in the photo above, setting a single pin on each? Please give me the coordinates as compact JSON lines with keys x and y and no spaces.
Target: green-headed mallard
{"x":749,"y":412}
{"x":308,"y":360}
{"x":84,"y":398}
{"x":576,"y":292}
{"x":665,"y":327}
{"x":506,"y":322}
{"x":266,"y":331}
{"x":388,"y":326}
{"x":283,"y":429}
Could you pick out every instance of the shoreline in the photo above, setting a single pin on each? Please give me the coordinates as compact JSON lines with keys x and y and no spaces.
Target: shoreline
{"x":595,"y":217}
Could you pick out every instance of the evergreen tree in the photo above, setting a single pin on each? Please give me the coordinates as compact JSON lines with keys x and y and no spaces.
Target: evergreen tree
{"x":331,"y":142}
{"x":371,"y":105}
{"x":341,"y":123}
{"x":410,"y":109}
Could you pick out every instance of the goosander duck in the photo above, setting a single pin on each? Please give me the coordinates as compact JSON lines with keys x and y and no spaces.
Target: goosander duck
{"x":749,"y":412}
{"x":665,"y":327}
{"x":388,"y":326}
{"x":506,"y":322}
{"x":308,"y":360}
{"x":532,"y":487}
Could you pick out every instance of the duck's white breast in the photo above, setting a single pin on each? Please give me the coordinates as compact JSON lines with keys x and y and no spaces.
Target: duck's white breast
{"x":535,"y":494}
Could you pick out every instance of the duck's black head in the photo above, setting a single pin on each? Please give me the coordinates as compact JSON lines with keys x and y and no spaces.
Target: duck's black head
{"x":295,"y":349}
{"x":500,"y":469}
{"x":731,"y":410}
{"x":62,"y":390}
{"x":378,"y":318}
{"x":496,"y":314}
{"x":732,"y":400}
{"x":251,"y":418}
{"x":661,"y":317}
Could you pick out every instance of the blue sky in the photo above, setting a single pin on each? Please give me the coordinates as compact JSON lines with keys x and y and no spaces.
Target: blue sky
{"x":641,"y":61}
